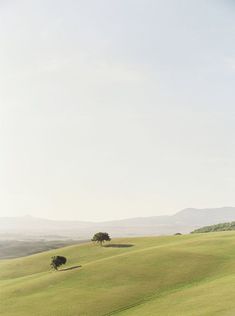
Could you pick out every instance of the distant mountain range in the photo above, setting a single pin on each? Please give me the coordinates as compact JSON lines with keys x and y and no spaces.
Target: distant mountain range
{"x":184,"y":221}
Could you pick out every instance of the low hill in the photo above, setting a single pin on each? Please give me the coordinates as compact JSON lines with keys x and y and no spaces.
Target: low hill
{"x":215,"y":228}
{"x":184,"y":221}
{"x":18,"y":248}
{"x":187,"y":275}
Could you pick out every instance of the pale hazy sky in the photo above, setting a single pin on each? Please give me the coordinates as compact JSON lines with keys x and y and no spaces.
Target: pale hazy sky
{"x":116,"y":108}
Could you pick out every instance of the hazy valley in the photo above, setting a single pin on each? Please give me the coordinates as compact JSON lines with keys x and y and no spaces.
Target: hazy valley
{"x":185,"y":221}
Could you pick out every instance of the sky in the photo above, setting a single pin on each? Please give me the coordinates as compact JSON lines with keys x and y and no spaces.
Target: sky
{"x":116,"y":109}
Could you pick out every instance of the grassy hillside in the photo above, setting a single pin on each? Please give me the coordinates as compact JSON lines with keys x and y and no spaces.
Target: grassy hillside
{"x":178,"y":275}
{"x":215,"y":228}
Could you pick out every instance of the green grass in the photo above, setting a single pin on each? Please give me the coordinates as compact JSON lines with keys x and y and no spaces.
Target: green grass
{"x":178,"y":275}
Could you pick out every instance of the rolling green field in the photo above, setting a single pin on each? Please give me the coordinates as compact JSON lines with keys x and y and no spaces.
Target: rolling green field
{"x":177,"y":275}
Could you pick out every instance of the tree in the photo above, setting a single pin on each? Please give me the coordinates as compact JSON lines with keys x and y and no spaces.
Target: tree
{"x":101,"y":237}
{"x":57,"y":261}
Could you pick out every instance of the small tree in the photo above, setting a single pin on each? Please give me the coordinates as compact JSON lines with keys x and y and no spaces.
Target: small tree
{"x":57,"y":261}
{"x":101,"y":237}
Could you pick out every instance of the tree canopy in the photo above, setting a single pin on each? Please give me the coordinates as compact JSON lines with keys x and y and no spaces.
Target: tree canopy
{"x":57,"y":261}
{"x":101,"y":237}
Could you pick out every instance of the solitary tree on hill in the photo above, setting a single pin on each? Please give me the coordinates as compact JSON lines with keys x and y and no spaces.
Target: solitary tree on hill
{"x":101,"y":237}
{"x":57,"y":261}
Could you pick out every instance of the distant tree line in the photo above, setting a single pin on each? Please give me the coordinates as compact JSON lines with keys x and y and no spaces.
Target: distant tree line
{"x":215,"y":228}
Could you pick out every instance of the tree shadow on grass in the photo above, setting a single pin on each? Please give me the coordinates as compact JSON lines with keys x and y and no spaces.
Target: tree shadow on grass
{"x":118,"y":245}
{"x":70,"y":268}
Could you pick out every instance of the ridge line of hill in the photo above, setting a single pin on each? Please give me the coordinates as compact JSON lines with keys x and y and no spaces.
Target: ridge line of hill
{"x":184,"y":221}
